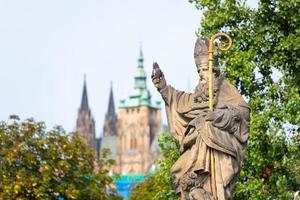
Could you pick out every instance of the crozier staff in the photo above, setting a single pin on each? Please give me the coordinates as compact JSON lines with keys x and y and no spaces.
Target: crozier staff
{"x":211,"y":100}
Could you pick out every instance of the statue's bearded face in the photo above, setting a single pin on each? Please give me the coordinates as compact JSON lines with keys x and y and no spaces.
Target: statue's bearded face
{"x":203,"y":70}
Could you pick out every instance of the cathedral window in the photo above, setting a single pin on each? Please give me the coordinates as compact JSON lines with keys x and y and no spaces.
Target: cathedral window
{"x":133,"y":143}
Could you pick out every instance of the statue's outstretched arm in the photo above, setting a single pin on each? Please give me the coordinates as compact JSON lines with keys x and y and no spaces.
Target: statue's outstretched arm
{"x":160,"y":83}
{"x":158,"y":77}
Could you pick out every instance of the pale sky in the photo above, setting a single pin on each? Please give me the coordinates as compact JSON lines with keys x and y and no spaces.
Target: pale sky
{"x":46,"y":47}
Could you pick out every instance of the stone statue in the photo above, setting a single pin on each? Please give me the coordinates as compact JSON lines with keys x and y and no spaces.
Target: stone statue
{"x":213,"y":143}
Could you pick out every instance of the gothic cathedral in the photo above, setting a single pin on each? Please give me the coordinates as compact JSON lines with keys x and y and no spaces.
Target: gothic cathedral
{"x":130,"y":134}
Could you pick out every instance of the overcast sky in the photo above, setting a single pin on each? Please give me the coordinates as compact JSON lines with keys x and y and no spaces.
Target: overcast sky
{"x":46,"y":47}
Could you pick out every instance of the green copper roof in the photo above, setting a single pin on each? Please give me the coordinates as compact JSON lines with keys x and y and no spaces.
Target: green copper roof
{"x":140,"y":73}
{"x":135,"y":93}
{"x":146,"y":95}
{"x":140,"y":95}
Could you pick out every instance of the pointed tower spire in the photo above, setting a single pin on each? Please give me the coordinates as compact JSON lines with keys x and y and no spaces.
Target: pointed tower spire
{"x":110,"y":122}
{"x":140,"y":94}
{"x":140,"y":75}
{"x":85,"y":125}
{"x":84,"y":99}
{"x":111,"y":103}
{"x":141,"y":58}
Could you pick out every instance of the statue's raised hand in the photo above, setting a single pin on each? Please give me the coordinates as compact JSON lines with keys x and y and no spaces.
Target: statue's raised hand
{"x":158,"y":77}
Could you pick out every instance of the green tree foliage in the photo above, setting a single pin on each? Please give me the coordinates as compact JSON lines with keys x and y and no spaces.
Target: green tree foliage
{"x":264,"y":63}
{"x":159,"y":185}
{"x":40,"y":164}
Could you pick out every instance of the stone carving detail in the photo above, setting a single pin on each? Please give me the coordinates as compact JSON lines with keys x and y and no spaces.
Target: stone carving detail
{"x":213,"y":143}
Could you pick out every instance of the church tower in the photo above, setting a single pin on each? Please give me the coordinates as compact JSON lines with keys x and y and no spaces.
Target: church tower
{"x":110,"y":123}
{"x":138,"y":123}
{"x":109,"y":138}
{"x":85,"y":125}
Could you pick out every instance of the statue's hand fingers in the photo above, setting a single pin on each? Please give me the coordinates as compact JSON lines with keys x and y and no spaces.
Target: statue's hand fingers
{"x":155,"y":65}
{"x":157,"y":74}
{"x":153,"y":75}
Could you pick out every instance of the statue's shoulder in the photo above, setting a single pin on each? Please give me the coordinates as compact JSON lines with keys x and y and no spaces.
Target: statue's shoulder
{"x":230,"y":93}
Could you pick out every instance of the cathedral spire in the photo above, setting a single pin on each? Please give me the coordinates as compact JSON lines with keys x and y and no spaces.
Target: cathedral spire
{"x":85,"y":125}
{"x":84,"y":99}
{"x":140,"y":94}
{"x":140,"y":76}
{"x":111,"y":103}
{"x":141,"y":58}
{"x":110,"y":123}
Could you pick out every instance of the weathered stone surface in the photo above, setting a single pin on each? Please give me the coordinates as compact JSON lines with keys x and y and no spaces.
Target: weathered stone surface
{"x":205,"y":136}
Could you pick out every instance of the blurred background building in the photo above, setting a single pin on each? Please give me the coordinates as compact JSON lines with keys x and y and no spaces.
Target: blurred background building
{"x":130,"y":134}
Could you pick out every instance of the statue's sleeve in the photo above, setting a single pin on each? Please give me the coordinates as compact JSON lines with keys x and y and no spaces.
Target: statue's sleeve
{"x":176,"y":100}
{"x":166,"y":93}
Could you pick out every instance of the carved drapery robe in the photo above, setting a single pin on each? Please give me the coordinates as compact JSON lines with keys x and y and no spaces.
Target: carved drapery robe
{"x":223,"y":139}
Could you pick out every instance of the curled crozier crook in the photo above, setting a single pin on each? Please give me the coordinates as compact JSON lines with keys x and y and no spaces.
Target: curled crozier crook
{"x":220,"y":45}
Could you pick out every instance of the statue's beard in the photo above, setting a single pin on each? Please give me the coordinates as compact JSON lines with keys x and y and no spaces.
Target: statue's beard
{"x":201,"y":92}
